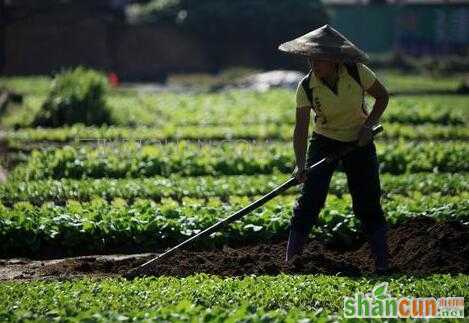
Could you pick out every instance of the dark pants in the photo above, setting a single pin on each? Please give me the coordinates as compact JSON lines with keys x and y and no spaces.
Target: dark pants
{"x":362,"y":169}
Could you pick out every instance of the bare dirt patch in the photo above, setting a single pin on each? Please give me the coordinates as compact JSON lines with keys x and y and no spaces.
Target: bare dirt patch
{"x":421,"y":246}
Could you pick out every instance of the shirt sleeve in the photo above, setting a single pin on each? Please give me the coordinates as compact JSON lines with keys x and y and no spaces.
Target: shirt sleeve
{"x":367,"y":76}
{"x":301,"y":97}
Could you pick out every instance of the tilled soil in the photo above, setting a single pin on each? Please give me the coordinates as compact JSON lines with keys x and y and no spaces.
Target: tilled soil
{"x":420,"y":246}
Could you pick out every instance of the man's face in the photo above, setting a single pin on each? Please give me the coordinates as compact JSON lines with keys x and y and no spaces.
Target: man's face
{"x":322,"y":68}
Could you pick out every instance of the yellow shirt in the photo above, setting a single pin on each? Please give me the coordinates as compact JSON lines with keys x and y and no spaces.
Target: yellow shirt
{"x":338,"y":116}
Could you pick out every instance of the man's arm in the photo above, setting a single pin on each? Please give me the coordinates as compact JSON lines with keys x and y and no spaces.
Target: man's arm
{"x":300,"y":138}
{"x":379,"y":92}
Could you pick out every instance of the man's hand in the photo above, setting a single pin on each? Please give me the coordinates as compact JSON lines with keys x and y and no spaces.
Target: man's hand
{"x":300,"y":174}
{"x":364,"y":136}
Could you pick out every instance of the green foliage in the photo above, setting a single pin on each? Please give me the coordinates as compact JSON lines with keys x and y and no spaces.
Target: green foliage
{"x":206,"y":298}
{"x":229,"y":158}
{"x":76,"y":96}
{"x":205,"y":187}
{"x":83,"y":199}
{"x":28,"y":138}
{"x":27,"y":85}
{"x":99,"y":226}
{"x":178,"y":113}
{"x":272,"y":107}
{"x":401,"y":82}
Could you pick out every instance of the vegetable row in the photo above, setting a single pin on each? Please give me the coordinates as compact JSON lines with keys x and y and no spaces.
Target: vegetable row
{"x":233,"y":158}
{"x":206,"y":298}
{"x":100,"y":226}
{"x":177,"y":187}
{"x":90,"y":135}
{"x":234,"y":108}
{"x":275,"y":106}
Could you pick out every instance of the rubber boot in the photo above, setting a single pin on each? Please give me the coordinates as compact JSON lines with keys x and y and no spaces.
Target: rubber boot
{"x":301,"y":223}
{"x":379,"y":250}
{"x":295,"y":245}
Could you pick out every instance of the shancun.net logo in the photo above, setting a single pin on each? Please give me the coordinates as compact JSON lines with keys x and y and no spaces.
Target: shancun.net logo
{"x":380,"y":304}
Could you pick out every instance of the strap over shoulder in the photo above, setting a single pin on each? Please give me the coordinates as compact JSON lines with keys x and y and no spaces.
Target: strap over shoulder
{"x":352,"y":69}
{"x":305,"y":85}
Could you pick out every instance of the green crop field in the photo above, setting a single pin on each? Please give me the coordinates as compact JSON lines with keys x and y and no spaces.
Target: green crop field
{"x":172,"y":164}
{"x":205,"y":298}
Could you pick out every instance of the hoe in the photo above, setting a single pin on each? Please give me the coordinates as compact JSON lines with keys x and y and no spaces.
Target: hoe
{"x":140,"y":270}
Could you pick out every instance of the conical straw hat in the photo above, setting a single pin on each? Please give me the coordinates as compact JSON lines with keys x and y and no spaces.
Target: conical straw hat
{"x":326,"y":43}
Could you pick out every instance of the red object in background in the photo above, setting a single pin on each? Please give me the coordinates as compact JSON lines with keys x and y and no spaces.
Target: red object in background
{"x":113,"y":79}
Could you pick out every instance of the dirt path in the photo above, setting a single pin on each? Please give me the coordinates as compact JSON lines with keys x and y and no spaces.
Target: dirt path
{"x":421,"y":246}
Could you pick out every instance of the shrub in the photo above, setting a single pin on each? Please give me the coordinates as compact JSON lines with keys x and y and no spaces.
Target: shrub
{"x":76,"y":96}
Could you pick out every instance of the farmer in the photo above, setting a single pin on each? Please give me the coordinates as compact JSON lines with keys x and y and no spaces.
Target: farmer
{"x":334,"y":89}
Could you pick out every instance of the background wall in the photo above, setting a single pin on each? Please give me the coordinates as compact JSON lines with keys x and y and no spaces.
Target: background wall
{"x":93,"y":34}
{"x":412,"y":29}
